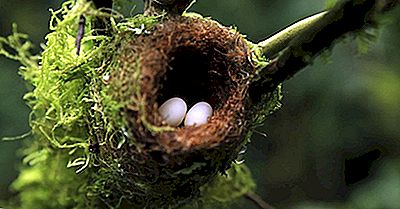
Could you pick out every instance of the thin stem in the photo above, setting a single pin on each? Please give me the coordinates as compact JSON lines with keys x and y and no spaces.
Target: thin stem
{"x":258,"y":200}
{"x":81,"y":31}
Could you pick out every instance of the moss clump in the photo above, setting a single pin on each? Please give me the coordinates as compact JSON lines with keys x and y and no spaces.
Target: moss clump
{"x":98,"y":140}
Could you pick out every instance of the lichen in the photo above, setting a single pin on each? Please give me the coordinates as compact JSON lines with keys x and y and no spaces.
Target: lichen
{"x":80,"y":133}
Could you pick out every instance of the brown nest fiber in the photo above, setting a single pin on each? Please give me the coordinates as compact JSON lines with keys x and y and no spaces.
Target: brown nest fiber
{"x":198,"y":60}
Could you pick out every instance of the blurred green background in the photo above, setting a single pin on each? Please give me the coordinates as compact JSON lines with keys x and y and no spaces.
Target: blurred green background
{"x":334,"y":144}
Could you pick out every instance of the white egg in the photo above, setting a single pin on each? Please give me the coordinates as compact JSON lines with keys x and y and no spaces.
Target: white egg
{"x":198,"y":114}
{"x":173,"y":111}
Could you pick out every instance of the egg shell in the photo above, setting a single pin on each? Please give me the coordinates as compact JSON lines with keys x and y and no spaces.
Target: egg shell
{"x":198,"y":114}
{"x":173,"y":111}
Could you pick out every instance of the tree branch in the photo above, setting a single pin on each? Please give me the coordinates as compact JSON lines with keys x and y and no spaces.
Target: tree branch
{"x":300,"y":43}
{"x":280,"y":40}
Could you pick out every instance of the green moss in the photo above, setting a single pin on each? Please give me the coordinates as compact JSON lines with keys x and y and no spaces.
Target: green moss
{"x":74,"y":110}
{"x":69,"y":92}
{"x":49,"y":184}
{"x":225,"y":189}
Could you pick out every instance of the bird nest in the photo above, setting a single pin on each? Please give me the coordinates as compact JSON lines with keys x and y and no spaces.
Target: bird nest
{"x":198,"y":60}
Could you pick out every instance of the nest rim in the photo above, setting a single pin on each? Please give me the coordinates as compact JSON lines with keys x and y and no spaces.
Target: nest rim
{"x":171,"y":45}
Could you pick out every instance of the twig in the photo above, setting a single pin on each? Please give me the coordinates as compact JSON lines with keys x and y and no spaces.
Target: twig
{"x":258,"y":200}
{"x":79,"y":36}
{"x":300,"y":46}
